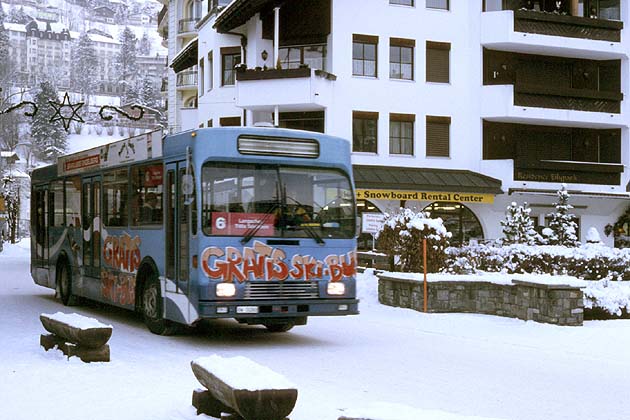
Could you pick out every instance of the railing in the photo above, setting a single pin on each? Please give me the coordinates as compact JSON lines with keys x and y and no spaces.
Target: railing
{"x":188,"y":25}
{"x":187,"y":78}
{"x":567,"y":98}
{"x":567,"y":26}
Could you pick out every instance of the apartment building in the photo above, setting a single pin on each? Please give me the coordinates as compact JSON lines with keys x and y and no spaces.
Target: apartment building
{"x":459,"y":107}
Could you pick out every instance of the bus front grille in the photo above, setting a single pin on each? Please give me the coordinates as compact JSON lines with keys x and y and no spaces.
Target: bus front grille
{"x":285,"y":290}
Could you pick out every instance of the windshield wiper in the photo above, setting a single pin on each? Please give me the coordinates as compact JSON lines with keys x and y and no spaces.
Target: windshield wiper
{"x":252,"y":232}
{"x":308,"y":229}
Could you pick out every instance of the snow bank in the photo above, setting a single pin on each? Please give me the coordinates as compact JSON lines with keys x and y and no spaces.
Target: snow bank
{"x":242,"y":373}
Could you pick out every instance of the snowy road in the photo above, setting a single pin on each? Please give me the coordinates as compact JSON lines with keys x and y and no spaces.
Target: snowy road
{"x":471,"y":365}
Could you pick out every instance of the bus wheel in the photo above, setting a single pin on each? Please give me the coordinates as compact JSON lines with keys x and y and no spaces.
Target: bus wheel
{"x":279,"y":327}
{"x":152,"y":309}
{"x":64,"y":281}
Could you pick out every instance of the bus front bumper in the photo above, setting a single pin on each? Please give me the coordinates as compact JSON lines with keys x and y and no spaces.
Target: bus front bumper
{"x":274,"y":309}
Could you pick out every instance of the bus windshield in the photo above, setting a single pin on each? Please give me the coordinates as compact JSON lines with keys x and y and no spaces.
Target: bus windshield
{"x":250,"y":200}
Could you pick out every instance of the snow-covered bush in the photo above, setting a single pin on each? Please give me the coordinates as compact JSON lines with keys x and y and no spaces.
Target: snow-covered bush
{"x":589,"y":262}
{"x":110,"y":130}
{"x":562,"y":224}
{"x":610,"y":296}
{"x":98,"y":129}
{"x":402,"y":236}
{"x":518,"y":226}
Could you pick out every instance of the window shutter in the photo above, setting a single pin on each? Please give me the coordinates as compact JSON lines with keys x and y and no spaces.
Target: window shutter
{"x":438,"y":136}
{"x":438,"y":62}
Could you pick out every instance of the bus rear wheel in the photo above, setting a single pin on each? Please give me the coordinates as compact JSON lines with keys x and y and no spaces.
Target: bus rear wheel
{"x":152,"y":311}
{"x":64,"y":279}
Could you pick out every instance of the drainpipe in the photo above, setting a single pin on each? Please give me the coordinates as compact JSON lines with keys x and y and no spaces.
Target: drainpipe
{"x":574,"y":8}
{"x":276,"y":35}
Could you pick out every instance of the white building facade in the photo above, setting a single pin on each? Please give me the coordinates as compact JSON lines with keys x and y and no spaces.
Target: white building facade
{"x":459,"y":107}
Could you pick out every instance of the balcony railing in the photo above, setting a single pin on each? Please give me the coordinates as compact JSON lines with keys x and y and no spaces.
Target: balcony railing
{"x":187,"y":78}
{"x":535,"y":22}
{"x":188,"y":25}
{"x":567,"y":98}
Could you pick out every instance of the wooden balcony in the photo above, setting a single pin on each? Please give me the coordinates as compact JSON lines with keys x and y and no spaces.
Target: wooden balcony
{"x":567,"y":98}
{"x":553,"y":24}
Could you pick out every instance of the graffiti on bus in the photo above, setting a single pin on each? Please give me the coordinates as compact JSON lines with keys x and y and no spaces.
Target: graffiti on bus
{"x":122,"y":252}
{"x":265,"y":262}
{"x":118,"y":287}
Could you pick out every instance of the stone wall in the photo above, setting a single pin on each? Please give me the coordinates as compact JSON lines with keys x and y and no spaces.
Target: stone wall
{"x":552,"y":304}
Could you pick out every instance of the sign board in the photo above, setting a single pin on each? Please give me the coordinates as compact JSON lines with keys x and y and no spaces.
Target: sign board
{"x":455,"y":197}
{"x":372,"y":222}
{"x":240,"y":224}
{"x":132,"y":149}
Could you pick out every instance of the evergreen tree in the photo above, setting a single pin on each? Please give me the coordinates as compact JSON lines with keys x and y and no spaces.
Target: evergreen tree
{"x":133,"y":93}
{"x":562,"y":224}
{"x":84,"y":67}
{"x":144,"y":47}
{"x":49,"y":139}
{"x":518,"y":226}
{"x":126,"y":66}
{"x":149,"y":95}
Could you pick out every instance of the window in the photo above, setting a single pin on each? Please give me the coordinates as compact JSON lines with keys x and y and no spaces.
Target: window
{"x":230,"y":121}
{"x":56,"y":191}
{"x":230,"y":57}
{"x":401,"y":58}
{"x":146,"y":194}
{"x":401,"y":134}
{"x":364,"y":55}
{"x":458,"y":219}
{"x":438,"y":62}
{"x":209,"y":123}
{"x":364,"y":131}
{"x":202,"y":75}
{"x":210,"y":71}
{"x":438,"y":136}
{"x":402,"y":2}
{"x":438,"y":4}
{"x":73,"y":202}
{"x":313,"y":56}
{"x":115,"y":197}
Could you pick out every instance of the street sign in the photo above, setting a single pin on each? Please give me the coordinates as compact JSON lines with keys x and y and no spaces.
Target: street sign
{"x":372,"y":222}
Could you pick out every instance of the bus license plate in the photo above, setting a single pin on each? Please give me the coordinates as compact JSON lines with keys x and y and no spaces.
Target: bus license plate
{"x":247,"y":309}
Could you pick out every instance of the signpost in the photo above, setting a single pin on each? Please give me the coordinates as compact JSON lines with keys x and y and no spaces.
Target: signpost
{"x":372,"y":223}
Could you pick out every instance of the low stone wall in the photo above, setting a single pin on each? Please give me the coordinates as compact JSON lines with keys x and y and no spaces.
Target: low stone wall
{"x":551,"y":304}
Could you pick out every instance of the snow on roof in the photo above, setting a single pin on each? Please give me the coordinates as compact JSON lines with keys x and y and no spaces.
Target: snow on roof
{"x":242,"y":373}
{"x":7,"y":154}
{"x":15,"y":27}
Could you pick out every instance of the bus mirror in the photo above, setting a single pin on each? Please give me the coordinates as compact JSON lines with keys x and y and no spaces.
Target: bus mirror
{"x":187,"y":184}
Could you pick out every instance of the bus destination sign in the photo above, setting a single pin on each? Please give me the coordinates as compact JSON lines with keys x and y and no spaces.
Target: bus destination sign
{"x":133,"y":149}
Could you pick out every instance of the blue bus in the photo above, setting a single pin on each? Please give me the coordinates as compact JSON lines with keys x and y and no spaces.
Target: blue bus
{"x":256,"y":224}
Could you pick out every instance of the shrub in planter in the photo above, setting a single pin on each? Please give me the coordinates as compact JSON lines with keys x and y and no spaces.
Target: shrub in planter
{"x":402,"y":235}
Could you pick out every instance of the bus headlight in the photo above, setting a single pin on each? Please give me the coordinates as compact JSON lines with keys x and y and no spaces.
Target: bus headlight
{"x":336,"y":289}
{"x":225,"y":290}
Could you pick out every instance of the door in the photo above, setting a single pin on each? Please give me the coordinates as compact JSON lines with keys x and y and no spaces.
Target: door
{"x":41,"y":222}
{"x":91,"y":218}
{"x":177,"y":230}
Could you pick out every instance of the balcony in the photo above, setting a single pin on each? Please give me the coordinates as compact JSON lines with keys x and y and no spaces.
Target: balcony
{"x":535,"y":32}
{"x":187,"y":25}
{"x":187,"y":80}
{"x":300,"y":89}
{"x":535,"y":105}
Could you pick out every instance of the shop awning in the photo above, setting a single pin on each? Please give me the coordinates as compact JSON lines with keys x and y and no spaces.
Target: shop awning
{"x":424,"y":179}
{"x":186,"y":58}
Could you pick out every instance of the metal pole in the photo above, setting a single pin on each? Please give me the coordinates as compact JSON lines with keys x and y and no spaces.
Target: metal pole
{"x":276,"y":35}
{"x":424,"y":263}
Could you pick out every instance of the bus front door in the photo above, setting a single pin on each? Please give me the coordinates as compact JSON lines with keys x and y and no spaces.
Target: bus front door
{"x":177,"y":246}
{"x":39,"y":243}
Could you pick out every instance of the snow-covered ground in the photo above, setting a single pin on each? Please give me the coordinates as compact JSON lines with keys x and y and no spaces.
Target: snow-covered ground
{"x":396,"y":364}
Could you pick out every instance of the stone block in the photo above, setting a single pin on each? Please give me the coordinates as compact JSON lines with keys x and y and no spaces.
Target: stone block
{"x":86,"y":354}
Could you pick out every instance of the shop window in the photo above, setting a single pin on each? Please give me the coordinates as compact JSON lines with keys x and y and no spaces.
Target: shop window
{"x":458,"y":219}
